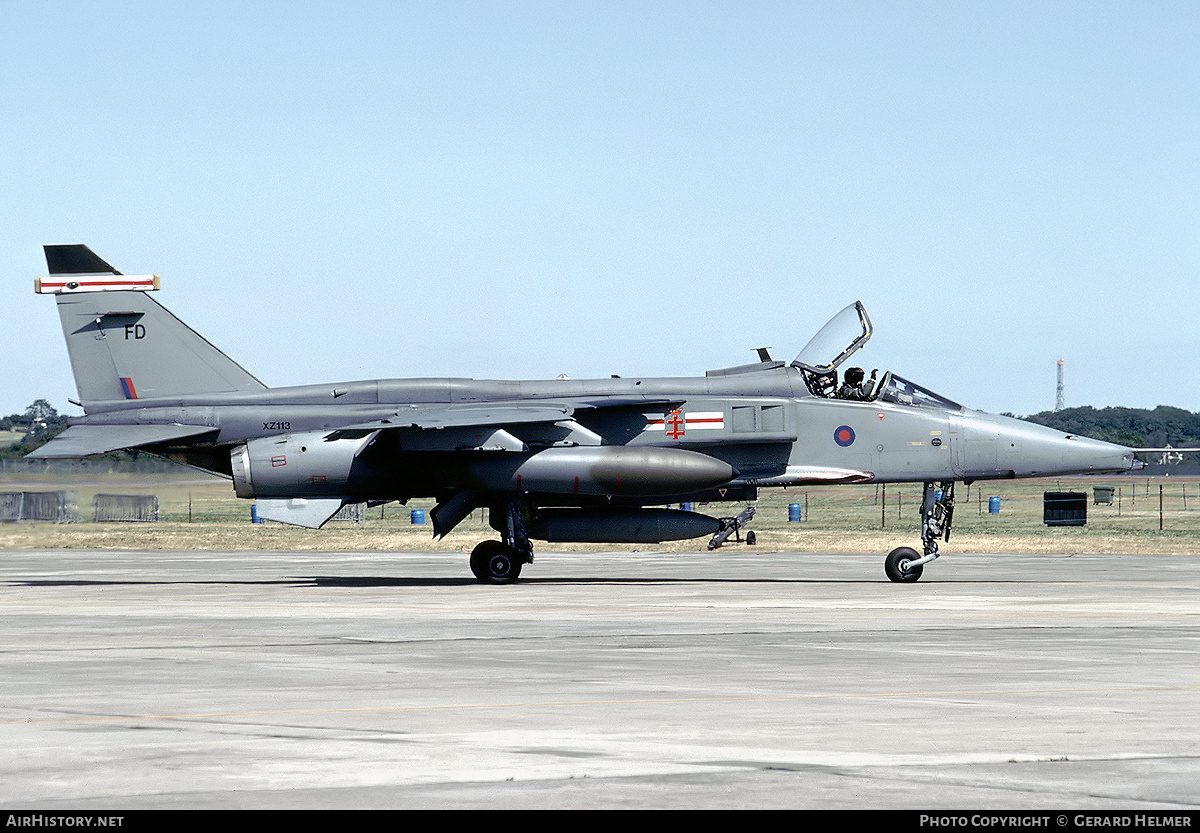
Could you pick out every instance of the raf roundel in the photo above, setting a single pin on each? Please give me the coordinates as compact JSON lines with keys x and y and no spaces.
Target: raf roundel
{"x":843,"y":435}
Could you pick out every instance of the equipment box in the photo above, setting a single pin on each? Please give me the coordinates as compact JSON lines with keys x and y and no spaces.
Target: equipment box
{"x":1064,"y":508}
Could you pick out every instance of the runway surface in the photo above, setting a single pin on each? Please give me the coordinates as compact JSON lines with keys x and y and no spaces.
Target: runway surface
{"x":326,"y":680}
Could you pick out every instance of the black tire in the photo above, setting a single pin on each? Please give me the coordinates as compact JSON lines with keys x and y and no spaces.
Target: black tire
{"x":494,"y":562}
{"x":751,"y":538}
{"x":898,"y":568}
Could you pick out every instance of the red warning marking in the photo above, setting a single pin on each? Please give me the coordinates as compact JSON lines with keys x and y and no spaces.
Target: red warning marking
{"x":675,"y":424}
{"x":281,"y":460}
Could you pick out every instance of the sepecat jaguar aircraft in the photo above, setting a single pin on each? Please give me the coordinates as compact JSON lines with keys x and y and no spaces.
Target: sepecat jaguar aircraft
{"x":554,"y":460}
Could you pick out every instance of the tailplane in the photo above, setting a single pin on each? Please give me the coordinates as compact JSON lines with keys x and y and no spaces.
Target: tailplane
{"x":125,"y":345}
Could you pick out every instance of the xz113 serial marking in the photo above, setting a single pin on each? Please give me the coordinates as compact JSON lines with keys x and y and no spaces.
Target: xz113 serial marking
{"x":277,"y":426}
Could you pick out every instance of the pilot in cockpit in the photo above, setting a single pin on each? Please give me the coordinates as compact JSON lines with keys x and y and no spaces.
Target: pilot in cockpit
{"x":853,"y":386}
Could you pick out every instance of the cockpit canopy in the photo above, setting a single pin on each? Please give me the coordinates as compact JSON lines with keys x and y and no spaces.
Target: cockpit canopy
{"x":847,"y":331}
{"x":836,"y":342}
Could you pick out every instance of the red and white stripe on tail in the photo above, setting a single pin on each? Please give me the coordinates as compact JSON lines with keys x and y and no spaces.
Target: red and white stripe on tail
{"x":65,"y":284}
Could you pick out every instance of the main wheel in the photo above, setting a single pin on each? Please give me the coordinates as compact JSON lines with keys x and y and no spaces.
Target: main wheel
{"x":494,"y":562}
{"x":899,"y":566}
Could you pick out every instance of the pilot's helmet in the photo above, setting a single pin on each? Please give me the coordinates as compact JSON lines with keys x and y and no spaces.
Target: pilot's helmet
{"x":854,"y":375}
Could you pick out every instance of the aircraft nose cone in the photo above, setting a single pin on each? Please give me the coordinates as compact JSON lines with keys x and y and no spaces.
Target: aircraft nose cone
{"x":1026,"y":449}
{"x":1090,"y":455}
{"x":1069,"y":454}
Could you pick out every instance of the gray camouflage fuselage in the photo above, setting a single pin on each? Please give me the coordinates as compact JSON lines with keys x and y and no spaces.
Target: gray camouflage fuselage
{"x":770,"y":429}
{"x":560,"y":459}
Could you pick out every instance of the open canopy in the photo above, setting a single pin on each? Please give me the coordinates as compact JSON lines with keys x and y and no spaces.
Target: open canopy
{"x":836,"y":342}
{"x":839,"y":339}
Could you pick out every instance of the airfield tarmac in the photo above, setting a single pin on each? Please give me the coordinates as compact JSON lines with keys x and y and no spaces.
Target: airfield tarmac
{"x":685,"y":680}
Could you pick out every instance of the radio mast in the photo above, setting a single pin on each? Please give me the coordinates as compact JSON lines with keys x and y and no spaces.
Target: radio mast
{"x":1059,"y":403}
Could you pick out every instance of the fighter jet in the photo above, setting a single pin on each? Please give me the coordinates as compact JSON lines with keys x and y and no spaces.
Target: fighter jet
{"x":555,"y":460}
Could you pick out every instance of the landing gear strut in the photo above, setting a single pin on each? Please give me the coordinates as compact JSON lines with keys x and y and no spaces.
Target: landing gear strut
{"x":500,"y":562}
{"x":937,"y":511}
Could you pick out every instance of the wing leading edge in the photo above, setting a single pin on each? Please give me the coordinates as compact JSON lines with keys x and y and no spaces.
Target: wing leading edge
{"x":499,"y":426}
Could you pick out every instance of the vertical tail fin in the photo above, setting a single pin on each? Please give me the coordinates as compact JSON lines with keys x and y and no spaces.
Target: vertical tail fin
{"x":125,"y":345}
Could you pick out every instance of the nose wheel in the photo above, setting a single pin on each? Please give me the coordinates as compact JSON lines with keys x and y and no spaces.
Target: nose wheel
{"x":899,"y":565}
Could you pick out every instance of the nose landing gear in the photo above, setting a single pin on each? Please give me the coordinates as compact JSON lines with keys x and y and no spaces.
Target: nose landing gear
{"x":937,"y":511}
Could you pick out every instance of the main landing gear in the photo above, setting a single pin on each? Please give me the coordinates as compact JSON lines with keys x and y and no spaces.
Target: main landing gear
{"x":500,"y":562}
{"x":903,"y":564}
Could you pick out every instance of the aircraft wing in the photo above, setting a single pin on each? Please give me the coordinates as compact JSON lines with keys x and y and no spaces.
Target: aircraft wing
{"x":502,"y":426}
{"x":477,"y":415}
{"x":86,"y":440}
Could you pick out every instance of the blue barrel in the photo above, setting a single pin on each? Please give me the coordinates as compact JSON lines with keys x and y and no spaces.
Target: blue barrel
{"x":686,"y":507}
{"x":418,"y":516}
{"x":993,"y":505}
{"x":795,"y":513}
{"x":254,"y":519}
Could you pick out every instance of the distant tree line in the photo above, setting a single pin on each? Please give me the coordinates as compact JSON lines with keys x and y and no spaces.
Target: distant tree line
{"x":1135,"y":427}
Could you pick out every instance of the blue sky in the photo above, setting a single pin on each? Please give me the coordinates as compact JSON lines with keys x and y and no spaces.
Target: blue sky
{"x":522,"y":189}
